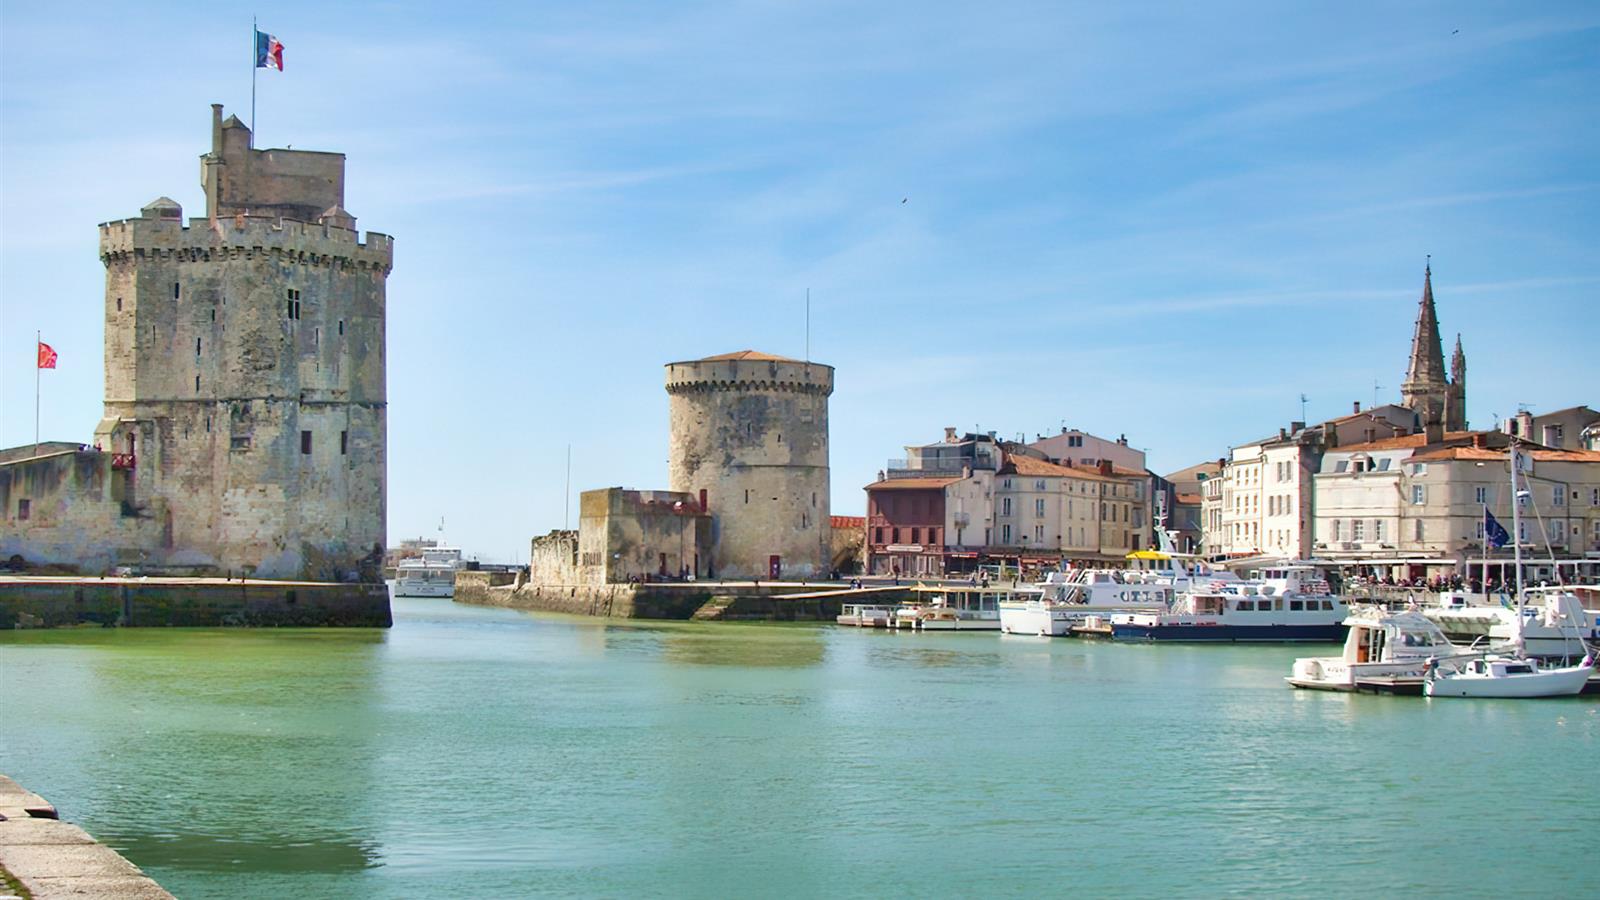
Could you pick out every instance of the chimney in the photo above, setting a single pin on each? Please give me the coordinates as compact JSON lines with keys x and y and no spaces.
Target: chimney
{"x":950,"y":435}
{"x":1480,"y":441}
{"x":1105,"y":467}
{"x":1283,"y":434}
{"x":1355,"y":406}
{"x":1433,"y":431}
{"x":1297,"y":426}
{"x":1330,"y":435}
{"x":966,"y":471}
{"x":1122,"y":440}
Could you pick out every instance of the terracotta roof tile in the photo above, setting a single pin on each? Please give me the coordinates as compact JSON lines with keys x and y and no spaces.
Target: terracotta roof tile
{"x":752,"y":355}
{"x":1406,"y":440}
{"x":910,"y":484}
{"x":1484,"y":454}
{"x":1027,"y":465}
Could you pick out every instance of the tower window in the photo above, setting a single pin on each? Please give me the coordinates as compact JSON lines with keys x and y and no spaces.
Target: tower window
{"x":344,"y":442}
{"x":197,"y":382}
{"x":24,"y":508}
{"x":176,"y":290}
{"x":747,"y":495}
{"x":196,"y":346}
{"x":341,"y":326}
{"x":119,"y":304}
{"x":305,"y":443}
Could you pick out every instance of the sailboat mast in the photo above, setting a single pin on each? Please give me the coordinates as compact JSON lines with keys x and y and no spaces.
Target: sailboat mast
{"x":1516,"y":537}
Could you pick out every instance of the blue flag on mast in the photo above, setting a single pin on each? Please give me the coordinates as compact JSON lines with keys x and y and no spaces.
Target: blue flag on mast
{"x":1493,"y":531}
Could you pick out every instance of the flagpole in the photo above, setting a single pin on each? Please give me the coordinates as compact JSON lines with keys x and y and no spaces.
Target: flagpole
{"x":254,"y":41}
{"x":38,"y":338}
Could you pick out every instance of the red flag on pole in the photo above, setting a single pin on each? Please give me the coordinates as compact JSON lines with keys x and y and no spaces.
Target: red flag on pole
{"x":47,"y":356}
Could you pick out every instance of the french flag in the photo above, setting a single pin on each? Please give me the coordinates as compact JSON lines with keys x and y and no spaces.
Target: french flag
{"x":269,"y":52}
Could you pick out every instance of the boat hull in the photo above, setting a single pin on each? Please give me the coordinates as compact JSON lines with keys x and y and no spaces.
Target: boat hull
{"x":433,"y":589}
{"x":1552,"y":683}
{"x":1279,"y":634}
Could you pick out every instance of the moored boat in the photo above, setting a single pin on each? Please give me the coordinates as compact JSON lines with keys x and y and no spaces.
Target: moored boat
{"x":1507,"y":678}
{"x":1380,"y":645}
{"x":1289,"y":603}
{"x":433,"y":574}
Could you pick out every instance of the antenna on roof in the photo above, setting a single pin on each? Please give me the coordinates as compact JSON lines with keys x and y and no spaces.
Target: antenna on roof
{"x":808,"y":325}
{"x":1303,"y":399}
{"x":1376,"y":387}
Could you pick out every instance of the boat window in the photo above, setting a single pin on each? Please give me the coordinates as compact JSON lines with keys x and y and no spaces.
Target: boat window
{"x":1519,"y":670}
{"x":1295,"y":605}
{"x":1327,"y":605}
{"x":1277,"y":604}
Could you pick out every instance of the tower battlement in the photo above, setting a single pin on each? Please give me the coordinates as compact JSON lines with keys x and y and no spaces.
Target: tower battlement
{"x":749,"y":372}
{"x":243,"y":237}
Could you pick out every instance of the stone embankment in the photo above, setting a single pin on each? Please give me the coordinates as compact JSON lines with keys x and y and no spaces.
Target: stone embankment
{"x":50,"y":602}
{"x":733,"y":601}
{"x":49,"y":858}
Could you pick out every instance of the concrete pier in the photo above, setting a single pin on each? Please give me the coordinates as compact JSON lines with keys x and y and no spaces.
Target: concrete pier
{"x":50,"y":858}
{"x":37,"y":601}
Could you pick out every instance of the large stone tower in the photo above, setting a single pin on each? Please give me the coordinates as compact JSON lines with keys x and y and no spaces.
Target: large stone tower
{"x":749,"y":434}
{"x":1427,"y":390}
{"x":245,"y":367}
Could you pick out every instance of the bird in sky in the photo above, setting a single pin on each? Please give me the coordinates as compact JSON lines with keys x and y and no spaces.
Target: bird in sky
{"x":904,"y":199}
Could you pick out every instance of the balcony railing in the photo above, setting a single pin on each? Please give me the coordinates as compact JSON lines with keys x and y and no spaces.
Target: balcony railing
{"x":939,"y":466}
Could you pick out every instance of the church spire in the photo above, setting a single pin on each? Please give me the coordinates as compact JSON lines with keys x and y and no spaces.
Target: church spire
{"x":1426,"y":387}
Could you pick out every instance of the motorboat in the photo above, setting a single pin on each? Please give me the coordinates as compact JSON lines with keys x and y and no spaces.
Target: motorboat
{"x":1379,"y":644}
{"x":1065,"y":599}
{"x":1554,"y":621}
{"x":433,"y":574}
{"x":1507,"y":677}
{"x":1287,"y":603}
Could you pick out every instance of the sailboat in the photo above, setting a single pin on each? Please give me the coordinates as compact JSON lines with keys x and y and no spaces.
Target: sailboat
{"x":1516,"y":675}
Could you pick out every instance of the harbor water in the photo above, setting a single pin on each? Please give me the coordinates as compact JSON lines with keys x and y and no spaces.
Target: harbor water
{"x":491,"y":753}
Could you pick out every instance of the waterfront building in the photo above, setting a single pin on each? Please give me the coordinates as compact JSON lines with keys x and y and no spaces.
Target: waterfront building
{"x":951,"y":506}
{"x":1181,"y":495}
{"x":1574,"y":428}
{"x":1407,"y":507}
{"x":245,"y":409}
{"x":1084,"y":449}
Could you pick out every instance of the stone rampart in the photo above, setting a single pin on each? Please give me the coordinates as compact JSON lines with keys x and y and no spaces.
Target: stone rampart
{"x":701,"y":601}
{"x":174,"y":602}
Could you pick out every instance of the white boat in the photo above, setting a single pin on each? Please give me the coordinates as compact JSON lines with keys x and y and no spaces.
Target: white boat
{"x":1380,"y":644}
{"x":1554,"y":623}
{"x":433,"y":574}
{"x":865,"y":615}
{"x":1508,"y":677}
{"x":1066,"y":599}
{"x":960,"y":607}
{"x":1285,"y":603}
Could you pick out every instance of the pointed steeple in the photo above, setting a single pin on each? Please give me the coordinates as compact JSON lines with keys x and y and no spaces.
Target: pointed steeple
{"x":1427,"y":350}
{"x":1458,"y":363}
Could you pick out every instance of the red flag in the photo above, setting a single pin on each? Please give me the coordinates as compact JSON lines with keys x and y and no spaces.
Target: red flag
{"x":47,"y":356}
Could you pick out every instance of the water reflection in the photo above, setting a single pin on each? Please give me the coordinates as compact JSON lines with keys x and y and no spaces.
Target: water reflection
{"x":766,"y":646}
{"x":284,"y":852}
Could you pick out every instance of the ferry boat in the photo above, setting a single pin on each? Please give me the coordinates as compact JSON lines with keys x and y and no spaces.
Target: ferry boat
{"x":1555,"y":622}
{"x":1066,"y":599}
{"x":1380,"y":645}
{"x":1284,"y":603}
{"x":433,"y":574}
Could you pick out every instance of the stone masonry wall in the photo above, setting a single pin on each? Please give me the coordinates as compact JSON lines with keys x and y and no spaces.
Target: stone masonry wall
{"x":753,"y":434}
{"x":75,"y":513}
{"x":245,"y":372}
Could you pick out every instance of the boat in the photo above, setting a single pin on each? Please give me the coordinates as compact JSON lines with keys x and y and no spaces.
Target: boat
{"x":433,"y":574}
{"x":1065,"y":599}
{"x":1508,"y":677}
{"x":1380,"y":645}
{"x":1555,"y":622}
{"x":865,"y":615}
{"x":1284,"y":603}
{"x":960,"y":607}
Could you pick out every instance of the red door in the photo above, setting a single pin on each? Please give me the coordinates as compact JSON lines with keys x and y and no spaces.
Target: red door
{"x":774,"y":567}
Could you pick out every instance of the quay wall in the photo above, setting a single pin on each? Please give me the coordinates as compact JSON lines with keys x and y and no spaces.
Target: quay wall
{"x":41,"y":602}
{"x":702,"y":601}
{"x":52,"y":858}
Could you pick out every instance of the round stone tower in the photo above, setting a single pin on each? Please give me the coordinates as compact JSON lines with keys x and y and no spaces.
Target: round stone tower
{"x":749,"y":436}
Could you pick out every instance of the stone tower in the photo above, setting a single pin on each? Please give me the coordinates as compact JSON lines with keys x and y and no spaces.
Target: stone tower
{"x":749,"y":435}
{"x":1427,"y":390}
{"x":245,"y":367}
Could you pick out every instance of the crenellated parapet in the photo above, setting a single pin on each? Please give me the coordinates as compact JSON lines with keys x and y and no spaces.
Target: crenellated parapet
{"x":240,"y":237}
{"x":749,"y":375}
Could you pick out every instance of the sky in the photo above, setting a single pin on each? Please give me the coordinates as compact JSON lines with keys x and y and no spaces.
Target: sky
{"x":1168,"y":221}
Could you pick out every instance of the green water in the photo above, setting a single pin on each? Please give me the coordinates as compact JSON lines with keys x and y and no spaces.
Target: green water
{"x":487,"y":753}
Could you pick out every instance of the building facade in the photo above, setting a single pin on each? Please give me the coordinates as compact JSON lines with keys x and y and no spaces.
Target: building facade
{"x":245,"y":409}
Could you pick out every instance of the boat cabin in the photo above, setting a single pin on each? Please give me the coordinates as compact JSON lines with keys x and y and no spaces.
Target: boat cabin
{"x":1398,"y":637}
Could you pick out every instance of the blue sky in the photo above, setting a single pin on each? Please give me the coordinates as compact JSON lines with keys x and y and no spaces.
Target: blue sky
{"x":1167,"y":221}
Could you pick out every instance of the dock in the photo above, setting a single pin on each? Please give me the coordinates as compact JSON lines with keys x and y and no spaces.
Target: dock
{"x":50,"y":858}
